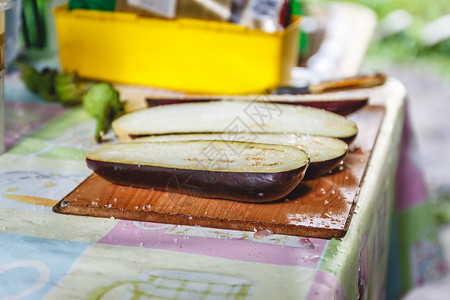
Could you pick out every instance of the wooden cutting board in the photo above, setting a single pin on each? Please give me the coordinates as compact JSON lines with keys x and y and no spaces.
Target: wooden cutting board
{"x":317,"y":208}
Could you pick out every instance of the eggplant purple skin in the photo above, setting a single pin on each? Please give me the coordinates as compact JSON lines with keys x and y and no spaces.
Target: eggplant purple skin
{"x":317,"y":169}
{"x":244,"y":187}
{"x":348,"y":139}
{"x":151,"y":102}
{"x":341,"y":107}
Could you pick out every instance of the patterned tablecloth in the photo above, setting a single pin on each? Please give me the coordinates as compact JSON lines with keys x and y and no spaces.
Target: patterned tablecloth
{"x":52,"y":256}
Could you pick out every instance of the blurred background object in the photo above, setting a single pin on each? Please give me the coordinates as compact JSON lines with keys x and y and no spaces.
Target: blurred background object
{"x":5,"y":5}
{"x":30,"y":30}
{"x":216,"y":57}
{"x":411,"y":32}
{"x":413,"y":45}
{"x":395,"y":22}
{"x":436,"y":31}
{"x":12,"y":33}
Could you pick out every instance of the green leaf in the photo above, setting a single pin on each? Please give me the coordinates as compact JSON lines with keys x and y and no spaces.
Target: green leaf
{"x":102,"y":102}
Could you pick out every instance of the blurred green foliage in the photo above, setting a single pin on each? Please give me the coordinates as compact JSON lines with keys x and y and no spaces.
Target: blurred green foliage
{"x":406,"y":47}
{"x":422,"y":10}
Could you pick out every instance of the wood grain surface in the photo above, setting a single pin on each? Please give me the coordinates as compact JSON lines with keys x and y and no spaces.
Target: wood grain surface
{"x":317,"y":208}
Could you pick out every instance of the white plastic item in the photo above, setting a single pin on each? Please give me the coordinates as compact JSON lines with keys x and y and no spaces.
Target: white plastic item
{"x":12,"y":32}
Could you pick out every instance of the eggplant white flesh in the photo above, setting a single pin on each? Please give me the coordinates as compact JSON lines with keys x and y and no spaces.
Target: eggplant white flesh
{"x":233,"y":116}
{"x":325,"y":153}
{"x":212,"y":169}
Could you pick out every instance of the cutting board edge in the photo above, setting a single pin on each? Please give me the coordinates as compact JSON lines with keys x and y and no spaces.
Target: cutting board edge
{"x":364,"y":175}
{"x":179,"y":219}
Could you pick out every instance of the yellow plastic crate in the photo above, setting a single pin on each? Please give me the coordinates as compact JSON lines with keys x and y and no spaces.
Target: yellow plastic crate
{"x":188,"y":55}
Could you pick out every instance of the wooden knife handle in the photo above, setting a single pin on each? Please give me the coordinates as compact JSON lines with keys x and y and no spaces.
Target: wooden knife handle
{"x":363,"y":81}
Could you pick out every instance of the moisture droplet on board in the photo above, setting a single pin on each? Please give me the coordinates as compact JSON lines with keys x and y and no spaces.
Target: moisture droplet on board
{"x":261,"y":233}
{"x":326,"y":215}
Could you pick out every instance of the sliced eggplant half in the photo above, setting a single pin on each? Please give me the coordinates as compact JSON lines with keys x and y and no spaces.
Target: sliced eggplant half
{"x":325,"y":153}
{"x":212,"y":169}
{"x":233,"y":116}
